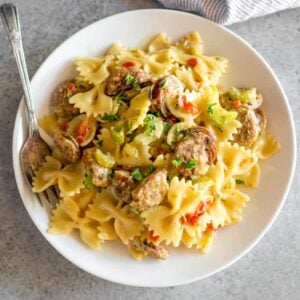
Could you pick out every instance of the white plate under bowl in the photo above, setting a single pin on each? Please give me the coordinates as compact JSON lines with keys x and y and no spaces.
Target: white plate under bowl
{"x":246,"y":69}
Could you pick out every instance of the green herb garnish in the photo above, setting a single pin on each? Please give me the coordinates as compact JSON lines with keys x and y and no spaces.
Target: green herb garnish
{"x":149,"y":118}
{"x":210,"y":108}
{"x":190,"y":164}
{"x":167,"y":127}
{"x":120,"y":96}
{"x":164,"y":84}
{"x":239,"y":181}
{"x":219,"y":58}
{"x":219,"y":129}
{"x":88,"y":182}
{"x":129,"y":79}
{"x":150,"y":169}
{"x":137,"y":175}
{"x":177,"y":162}
{"x":150,"y":128}
{"x":118,"y":128}
{"x":136,"y":85}
{"x":107,"y":117}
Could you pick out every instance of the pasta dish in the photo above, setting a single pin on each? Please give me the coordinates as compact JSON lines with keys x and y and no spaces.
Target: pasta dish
{"x":150,"y":149}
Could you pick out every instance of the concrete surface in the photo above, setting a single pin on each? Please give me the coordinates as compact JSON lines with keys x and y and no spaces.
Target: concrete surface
{"x":31,"y":269}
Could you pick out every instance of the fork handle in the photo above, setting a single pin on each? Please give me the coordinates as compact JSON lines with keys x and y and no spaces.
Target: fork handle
{"x":10,"y":18}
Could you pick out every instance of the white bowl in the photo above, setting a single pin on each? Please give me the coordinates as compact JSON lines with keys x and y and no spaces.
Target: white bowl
{"x":246,"y":69}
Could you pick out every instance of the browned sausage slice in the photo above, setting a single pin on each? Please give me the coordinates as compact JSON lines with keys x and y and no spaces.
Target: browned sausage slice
{"x":151,"y":191}
{"x":167,"y":86}
{"x":197,"y":151}
{"x":67,"y":147}
{"x":100,"y":175}
{"x":148,"y":248}
{"x":62,"y":94}
{"x":122,"y":185}
{"x":125,"y":79}
{"x":253,"y":123}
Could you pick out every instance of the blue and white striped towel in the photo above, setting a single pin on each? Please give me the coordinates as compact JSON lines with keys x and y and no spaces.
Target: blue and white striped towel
{"x":231,"y":11}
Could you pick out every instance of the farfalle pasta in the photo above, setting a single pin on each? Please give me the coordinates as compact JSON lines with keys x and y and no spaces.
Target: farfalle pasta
{"x":150,"y":150}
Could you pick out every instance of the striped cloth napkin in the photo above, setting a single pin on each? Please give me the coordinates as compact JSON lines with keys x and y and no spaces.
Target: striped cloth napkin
{"x":231,"y":11}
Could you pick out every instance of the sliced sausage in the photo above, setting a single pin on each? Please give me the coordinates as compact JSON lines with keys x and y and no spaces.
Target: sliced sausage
{"x":197,"y":151}
{"x":253,"y":123}
{"x":62,"y":94}
{"x":151,"y":191}
{"x":167,"y":86}
{"x":100,"y":175}
{"x":122,"y":185}
{"x":117,"y":80}
{"x":67,"y":147}
{"x":148,"y":248}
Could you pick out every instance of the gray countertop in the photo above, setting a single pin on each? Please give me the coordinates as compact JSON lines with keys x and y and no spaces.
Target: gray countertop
{"x":31,"y":269}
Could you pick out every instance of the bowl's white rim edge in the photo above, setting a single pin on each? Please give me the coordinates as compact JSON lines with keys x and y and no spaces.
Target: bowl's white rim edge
{"x":15,"y":157}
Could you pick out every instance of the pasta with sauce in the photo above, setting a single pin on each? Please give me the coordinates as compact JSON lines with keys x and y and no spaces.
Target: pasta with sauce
{"x":150,"y":151}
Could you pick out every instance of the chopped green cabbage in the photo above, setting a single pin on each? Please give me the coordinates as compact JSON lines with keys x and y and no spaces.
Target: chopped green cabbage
{"x":214,"y":110}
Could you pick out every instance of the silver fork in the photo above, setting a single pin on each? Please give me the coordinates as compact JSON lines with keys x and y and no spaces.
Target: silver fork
{"x":35,"y":149}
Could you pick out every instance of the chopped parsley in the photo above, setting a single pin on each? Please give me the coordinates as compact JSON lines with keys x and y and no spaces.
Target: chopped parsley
{"x":136,"y":85}
{"x":157,"y":113}
{"x":118,"y":128}
{"x":190,"y":164}
{"x":129,"y":79}
{"x":150,"y":128}
{"x":120,"y":96}
{"x":88,"y":182}
{"x":177,"y":162}
{"x":137,"y":175}
{"x":149,"y":122}
{"x":150,"y":169}
{"x":239,"y":181}
{"x":149,"y":118}
{"x":167,"y":127}
{"x":100,"y":143}
{"x":164,"y":84}
{"x":219,"y":58}
{"x":210,"y":108}
{"x":107,"y":117}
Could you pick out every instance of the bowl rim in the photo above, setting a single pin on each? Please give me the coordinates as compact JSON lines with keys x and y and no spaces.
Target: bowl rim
{"x":16,"y":155}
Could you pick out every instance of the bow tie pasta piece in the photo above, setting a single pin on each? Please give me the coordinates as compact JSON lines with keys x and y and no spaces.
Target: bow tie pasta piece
{"x":210,"y":69}
{"x":265,"y":146}
{"x":93,"y":70}
{"x":108,"y":144}
{"x":236,"y":159}
{"x":227,"y":209}
{"x":136,"y":113}
{"x":251,"y":178}
{"x":69,"y":179}
{"x":94,"y":102}
{"x":188,"y":77}
{"x":191,"y":44}
{"x":104,"y":209}
{"x":160,"y":42}
{"x":69,"y":215}
{"x":159,"y":63}
{"x":168,"y":221}
{"x":136,"y":56}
